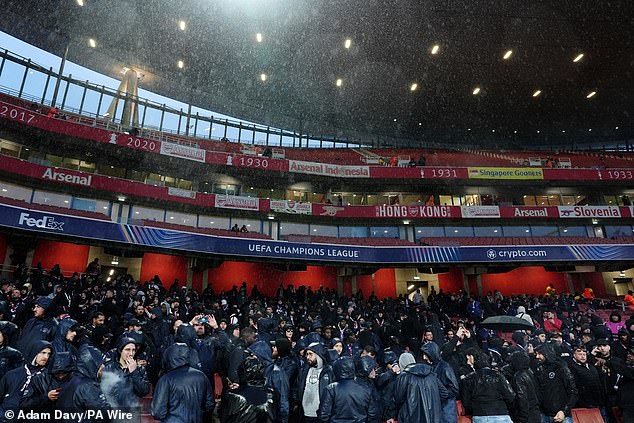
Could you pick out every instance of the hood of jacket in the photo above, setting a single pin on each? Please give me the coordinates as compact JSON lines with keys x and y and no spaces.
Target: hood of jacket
{"x":63,"y":362}
{"x":343,"y":368}
{"x":519,"y":361}
{"x":63,"y":327}
{"x":89,"y":361}
{"x":175,"y":356}
{"x":549,"y":353}
{"x":431,"y":350}
{"x":158,"y":313}
{"x":266,"y":325}
{"x":521,"y":309}
{"x":364,"y":366}
{"x":320,"y":350}
{"x":262,"y":351}
{"x":419,"y":369}
{"x":35,"y":349}
{"x":123,"y":341}
{"x":186,"y":334}
{"x":518,"y":338}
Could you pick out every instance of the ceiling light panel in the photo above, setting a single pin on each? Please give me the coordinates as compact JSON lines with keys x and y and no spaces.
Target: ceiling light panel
{"x":578,"y":58}
{"x":435,"y":49}
{"x":508,"y":54}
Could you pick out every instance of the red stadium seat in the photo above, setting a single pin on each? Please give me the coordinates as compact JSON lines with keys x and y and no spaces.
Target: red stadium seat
{"x":587,"y":415}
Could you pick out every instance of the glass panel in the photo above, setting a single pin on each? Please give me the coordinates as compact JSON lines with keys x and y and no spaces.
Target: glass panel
{"x":445,"y":200}
{"x":12,"y":75}
{"x":54,"y":160}
{"x":288,"y":228}
{"x":181,"y":218}
{"x":542,"y":200}
{"x":490,"y":231}
{"x":15,"y":191}
{"x":430,"y":232}
{"x":453,"y":231}
{"x":146,"y":213}
{"x":530,"y":200}
{"x":353,"y":232}
{"x":545,"y":230}
{"x":323,"y":230}
{"x":90,"y":204}
{"x":52,"y":199}
{"x":73,"y":98}
{"x":574,"y":231}
{"x":568,"y":200}
{"x":516,"y":231}
{"x":384,"y":232}
{"x":232,"y":133}
{"x":246,"y":136}
{"x":214,"y":222}
{"x":91,"y":102}
{"x":612,"y":231}
{"x":34,"y":86}
{"x":554,"y":200}
{"x":610,"y":200}
{"x":253,"y":225}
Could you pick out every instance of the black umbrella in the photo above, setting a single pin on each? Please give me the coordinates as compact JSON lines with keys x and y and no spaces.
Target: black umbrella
{"x":506,"y":323}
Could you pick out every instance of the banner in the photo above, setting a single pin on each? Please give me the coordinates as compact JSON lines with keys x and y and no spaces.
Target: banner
{"x":290,"y":206}
{"x":529,"y":211}
{"x":505,"y":173}
{"x":183,"y":193}
{"x":69,"y":177}
{"x":182,"y":151}
{"x":235,"y":202}
{"x":326,"y":169}
{"x":589,"y":211}
{"x":415,"y":212}
{"x":480,"y":212}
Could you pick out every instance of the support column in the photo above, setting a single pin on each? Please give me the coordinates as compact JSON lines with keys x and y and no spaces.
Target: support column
{"x":205,"y":279}
{"x":353,"y":281}
{"x":6,"y":263}
{"x":59,"y":73}
{"x":340,"y":286}
{"x":571,"y":286}
{"x":465,"y":281}
{"x":479,"y":284}
{"x":190,"y":274}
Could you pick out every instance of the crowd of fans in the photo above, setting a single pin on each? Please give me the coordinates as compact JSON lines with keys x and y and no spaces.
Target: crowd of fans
{"x":83,"y":343}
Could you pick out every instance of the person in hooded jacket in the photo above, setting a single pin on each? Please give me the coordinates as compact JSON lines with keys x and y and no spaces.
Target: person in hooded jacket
{"x":314,"y":378}
{"x":183,"y":394}
{"x":487,"y":393}
{"x":64,"y":337}
{"x":125,"y":379}
{"x":186,"y":334}
{"x":417,"y":392}
{"x":348,"y":399}
{"x":41,"y":327}
{"x":16,"y":381}
{"x":523,"y":381}
{"x":254,"y":400}
{"x":558,"y":391}
{"x":287,"y":361}
{"x":10,"y":358}
{"x":45,"y":388}
{"x":385,"y":384}
{"x":446,"y":375}
{"x":83,"y":392}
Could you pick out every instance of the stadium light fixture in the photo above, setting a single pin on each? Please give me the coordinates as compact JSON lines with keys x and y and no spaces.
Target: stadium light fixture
{"x":578,"y":58}
{"x":508,"y":54}
{"x":182,"y":25}
{"x":435,"y":49}
{"x":92,"y":43}
{"x":258,"y":37}
{"x":591,"y":94}
{"x":339,"y":82}
{"x":348,"y":43}
{"x":80,"y":2}
{"x":413,"y":87}
{"x":476,"y":91}
{"x":263,"y":77}
{"x":181,"y":64}
{"x":537,"y":93}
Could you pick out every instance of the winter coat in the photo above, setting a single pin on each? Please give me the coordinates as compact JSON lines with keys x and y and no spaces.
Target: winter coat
{"x":274,"y":377}
{"x":122,"y":388}
{"x":488,"y":393}
{"x":524,"y":383}
{"x":36,"y":394}
{"x":447,"y":377}
{"x":347,"y":399}
{"x":591,"y":391}
{"x":418,"y":395}
{"x":326,"y":376}
{"x":59,"y":341}
{"x":37,"y":329}
{"x":385,"y":387}
{"x":183,"y":393}
{"x":556,"y":383}
{"x":13,"y":384}
{"x":10,"y":359}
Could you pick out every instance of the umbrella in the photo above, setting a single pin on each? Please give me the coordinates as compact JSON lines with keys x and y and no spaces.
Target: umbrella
{"x":506,"y":323}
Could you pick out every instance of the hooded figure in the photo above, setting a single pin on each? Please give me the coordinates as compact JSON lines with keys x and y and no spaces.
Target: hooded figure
{"x":61,"y":343}
{"x":186,"y":334}
{"x":385,"y":384}
{"x":10,"y":358}
{"x":556,"y":383}
{"x":487,"y":392}
{"x":124,"y":383}
{"x":314,"y":378}
{"x":417,"y":393}
{"x":266,"y":327}
{"x":41,"y":327}
{"x":347,"y":399}
{"x":182,"y":394}
{"x":446,"y":377}
{"x":263,"y":392}
{"x":524,"y":383}
{"x":16,"y":381}
{"x":521,"y":313}
{"x":58,"y":378}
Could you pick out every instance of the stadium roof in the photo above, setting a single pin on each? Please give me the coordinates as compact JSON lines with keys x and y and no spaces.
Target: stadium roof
{"x":509,"y":72}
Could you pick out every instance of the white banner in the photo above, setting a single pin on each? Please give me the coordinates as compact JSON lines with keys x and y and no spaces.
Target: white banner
{"x":290,"y":206}
{"x":182,"y":151}
{"x":178,"y":192}
{"x":480,"y":212}
{"x":235,"y":202}
{"x":326,"y":169}
{"x":589,"y":211}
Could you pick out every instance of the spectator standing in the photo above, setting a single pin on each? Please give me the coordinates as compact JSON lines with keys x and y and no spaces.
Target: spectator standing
{"x":487,"y":393}
{"x":446,"y":376}
{"x":315,"y":377}
{"x":558,"y":391}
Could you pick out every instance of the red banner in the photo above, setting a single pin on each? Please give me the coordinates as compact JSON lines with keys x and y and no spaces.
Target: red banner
{"x":387,"y":172}
{"x":251,"y":162}
{"x":519,"y":212}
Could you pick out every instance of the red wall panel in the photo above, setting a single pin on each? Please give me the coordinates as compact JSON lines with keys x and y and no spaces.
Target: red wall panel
{"x":524,"y":280}
{"x":70,"y":257}
{"x":3,"y":247}
{"x":595,"y":281}
{"x":197,"y":282}
{"x":267,"y":278}
{"x":167,"y":267}
{"x":452,"y":281}
{"x":384,"y":284}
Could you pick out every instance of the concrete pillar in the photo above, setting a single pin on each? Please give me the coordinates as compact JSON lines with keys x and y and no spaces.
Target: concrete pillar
{"x":353,"y":281}
{"x":340,"y":286}
{"x":190,"y":274}
{"x":571,"y":286}
{"x":479,"y":284}
{"x":465,"y":279}
{"x":205,"y":279}
{"x":7,"y":262}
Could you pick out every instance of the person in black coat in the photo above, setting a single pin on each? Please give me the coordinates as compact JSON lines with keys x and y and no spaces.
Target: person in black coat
{"x":64,"y":337}
{"x":10,"y":358}
{"x":182,"y":394}
{"x":524,"y":383}
{"x":445,"y":374}
{"x":557,"y":385}
{"x":417,"y":392}
{"x":385,"y":384}
{"x":124,"y":379}
{"x":347,"y":399}
{"x":45,"y":388}
{"x":41,"y":327}
{"x":16,"y":381}
{"x":592,"y":393}
{"x":487,"y":392}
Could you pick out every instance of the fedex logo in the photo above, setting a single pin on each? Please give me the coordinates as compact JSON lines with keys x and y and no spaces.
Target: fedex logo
{"x":46,"y":222}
